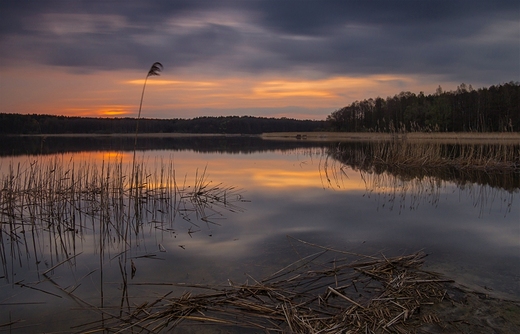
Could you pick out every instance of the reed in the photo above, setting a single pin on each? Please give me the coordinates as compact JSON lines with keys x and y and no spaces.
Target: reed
{"x":55,"y":203}
{"x":488,"y":157}
{"x":154,"y":70}
{"x":497,"y":165}
{"x":329,"y":291}
{"x":403,"y":175}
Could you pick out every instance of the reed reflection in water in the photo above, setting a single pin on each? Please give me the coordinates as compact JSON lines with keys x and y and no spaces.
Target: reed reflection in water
{"x":66,"y":219}
{"x":398,"y":170}
{"x":54,"y":212}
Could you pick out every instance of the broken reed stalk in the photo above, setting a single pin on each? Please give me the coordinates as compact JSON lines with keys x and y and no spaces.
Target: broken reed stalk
{"x":355,"y":293}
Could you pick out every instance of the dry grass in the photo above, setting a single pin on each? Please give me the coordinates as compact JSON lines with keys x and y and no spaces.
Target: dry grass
{"x":432,"y":155}
{"x":406,"y":174}
{"x":66,"y":201}
{"x":404,"y":154}
{"x":350,"y":294}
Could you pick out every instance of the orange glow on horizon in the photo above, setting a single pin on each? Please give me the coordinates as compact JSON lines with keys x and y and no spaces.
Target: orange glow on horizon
{"x":268,"y":92}
{"x":282,"y":179}
{"x":100,"y":157}
{"x":104,"y":111}
{"x":46,"y":90}
{"x":113,"y":112}
{"x":185,"y":83}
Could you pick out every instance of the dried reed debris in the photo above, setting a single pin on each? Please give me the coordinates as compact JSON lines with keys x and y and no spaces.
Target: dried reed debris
{"x":368,"y":295}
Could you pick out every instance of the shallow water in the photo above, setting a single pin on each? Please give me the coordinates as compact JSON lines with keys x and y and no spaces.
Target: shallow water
{"x":282,"y":192}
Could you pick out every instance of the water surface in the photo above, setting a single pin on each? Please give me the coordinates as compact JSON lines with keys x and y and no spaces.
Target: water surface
{"x":281,"y":192}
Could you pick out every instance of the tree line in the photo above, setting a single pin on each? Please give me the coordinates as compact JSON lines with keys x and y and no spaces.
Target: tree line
{"x":492,"y":109}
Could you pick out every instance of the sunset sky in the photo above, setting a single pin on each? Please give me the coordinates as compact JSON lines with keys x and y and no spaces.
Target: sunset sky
{"x":298,"y":59}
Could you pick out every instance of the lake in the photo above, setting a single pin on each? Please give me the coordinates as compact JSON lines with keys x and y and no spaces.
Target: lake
{"x":214,"y":210}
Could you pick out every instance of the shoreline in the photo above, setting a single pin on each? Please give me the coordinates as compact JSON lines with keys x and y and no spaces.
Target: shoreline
{"x":318,"y":136}
{"x":451,"y":137}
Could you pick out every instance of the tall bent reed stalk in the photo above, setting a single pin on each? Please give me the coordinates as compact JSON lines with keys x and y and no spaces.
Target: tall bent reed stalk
{"x":135,"y":172}
{"x":154,"y":71}
{"x":47,"y":209}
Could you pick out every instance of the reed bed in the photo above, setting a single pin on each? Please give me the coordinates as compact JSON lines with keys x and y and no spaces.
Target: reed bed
{"x":321,"y":293}
{"x":52,"y":204}
{"x":410,"y":154}
{"x":418,"y":175}
{"x":497,"y":165}
{"x":487,"y":157}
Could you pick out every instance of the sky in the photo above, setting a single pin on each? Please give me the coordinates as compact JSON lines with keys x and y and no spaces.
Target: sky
{"x":297,"y":59}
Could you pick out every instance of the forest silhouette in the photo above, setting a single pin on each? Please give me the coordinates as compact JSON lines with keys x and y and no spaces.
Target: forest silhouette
{"x":491,"y":109}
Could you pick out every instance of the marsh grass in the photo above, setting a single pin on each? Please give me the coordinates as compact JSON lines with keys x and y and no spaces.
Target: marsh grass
{"x":481,"y":163}
{"x":488,"y":157}
{"x":58,"y":202}
{"x":135,"y":186}
{"x":418,"y":137}
{"x":407,"y":154}
{"x":402,"y":175}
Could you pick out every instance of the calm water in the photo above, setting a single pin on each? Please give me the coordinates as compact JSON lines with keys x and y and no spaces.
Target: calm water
{"x":282,"y":191}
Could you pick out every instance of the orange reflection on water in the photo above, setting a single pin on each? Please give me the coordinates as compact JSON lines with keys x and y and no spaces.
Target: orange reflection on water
{"x":278,"y":173}
{"x":98,"y":157}
{"x":284,"y":179}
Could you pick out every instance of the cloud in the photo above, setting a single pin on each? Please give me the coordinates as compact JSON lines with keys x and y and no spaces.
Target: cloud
{"x":334,"y":36}
{"x":430,"y":42}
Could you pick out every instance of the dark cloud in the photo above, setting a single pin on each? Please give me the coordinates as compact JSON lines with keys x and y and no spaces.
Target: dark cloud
{"x":460,"y":40}
{"x":436,"y":37}
{"x":312,"y":17}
